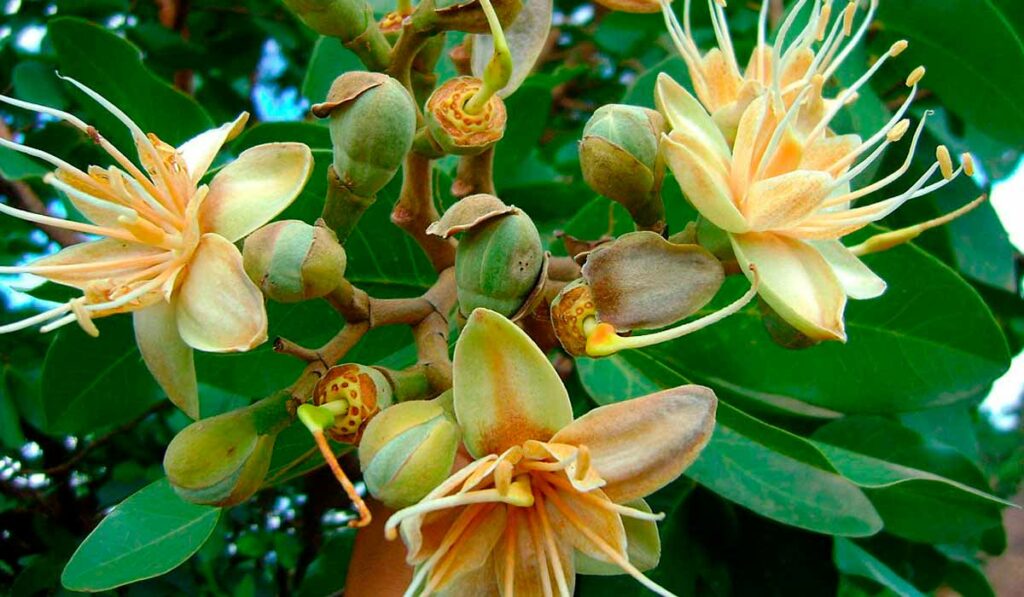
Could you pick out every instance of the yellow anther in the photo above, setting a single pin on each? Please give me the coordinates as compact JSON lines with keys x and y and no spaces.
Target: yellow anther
{"x":721,"y":3}
{"x":898,"y":47}
{"x":896,"y":132}
{"x":582,"y":462}
{"x":915,"y":76}
{"x":83,"y":317}
{"x":144,"y":230}
{"x":520,"y":493}
{"x":826,"y":15}
{"x":851,"y":11}
{"x":968,"y":161}
{"x":945,"y":161}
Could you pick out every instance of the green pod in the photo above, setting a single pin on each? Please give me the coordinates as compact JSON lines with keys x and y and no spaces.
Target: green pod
{"x":344,"y":19}
{"x":219,"y":461}
{"x":291,"y":261}
{"x":372,"y":124}
{"x":498,"y":263}
{"x":406,"y":451}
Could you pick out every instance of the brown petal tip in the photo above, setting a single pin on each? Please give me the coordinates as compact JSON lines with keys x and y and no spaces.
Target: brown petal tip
{"x":468,"y":213}
{"x":346,"y":88}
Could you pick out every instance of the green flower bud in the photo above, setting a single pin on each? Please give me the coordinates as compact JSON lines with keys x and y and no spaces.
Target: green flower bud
{"x":467,"y":15}
{"x":407,"y":451}
{"x":619,"y":159}
{"x":455,"y":130}
{"x":292,"y":261}
{"x":345,"y":19}
{"x":372,"y":124}
{"x":355,"y":394}
{"x":220,"y":461}
{"x":573,"y":316}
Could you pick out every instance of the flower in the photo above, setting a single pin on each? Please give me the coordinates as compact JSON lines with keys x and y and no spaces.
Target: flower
{"x":547,"y":497}
{"x":166,"y":251}
{"x":754,"y":153}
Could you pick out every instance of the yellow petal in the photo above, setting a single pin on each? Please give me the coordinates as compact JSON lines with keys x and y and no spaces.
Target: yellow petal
{"x":686,"y":115}
{"x":752,"y":135}
{"x":219,"y":309}
{"x":473,"y":549}
{"x":167,"y":356}
{"x":704,"y":185}
{"x":506,"y":391}
{"x":77,"y":265}
{"x":781,"y":201}
{"x":825,"y":152}
{"x":570,"y":513}
{"x":796,"y":282}
{"x":640,"y":445}
{"x":723,"y":82}
{"x":199,"y":151}
{"x":520,"y":555}
{"x":857,"y":279}
{"x":251,"y":190}
{"x":481,"y":582}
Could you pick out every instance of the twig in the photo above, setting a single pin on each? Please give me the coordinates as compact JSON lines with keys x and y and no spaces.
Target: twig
{"x":415,"y":210}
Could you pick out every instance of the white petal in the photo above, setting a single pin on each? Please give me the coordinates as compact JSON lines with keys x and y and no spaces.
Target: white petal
{"x":199,"y":151}
{"x":857,"y":279}
{"x":168,"y":357}
{"x":685,"y":112}
{"x":704,"y":185}
{"x":526,"y":37}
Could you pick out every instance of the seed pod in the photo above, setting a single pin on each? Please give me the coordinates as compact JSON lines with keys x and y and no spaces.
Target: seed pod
{"x":407,"y":451}
{"x":458,"y":132}
{"x":344,"y":19}
{"x":468,"y":15}
{"x":619,"y":159}
{"x":364,"y":391}
{"x":372,"y":123}
{"x":572,"y":312}
{"x":292,"y":261}
{"x":219,"y":461}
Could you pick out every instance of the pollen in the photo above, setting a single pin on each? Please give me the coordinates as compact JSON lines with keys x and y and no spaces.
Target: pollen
{"x":968,"y":162}
{"x":945,"y":161}
{"x":896,"y":133}
{"x":851,"y":11}
{"x":915,"y":76}
{"x":898,"y":48}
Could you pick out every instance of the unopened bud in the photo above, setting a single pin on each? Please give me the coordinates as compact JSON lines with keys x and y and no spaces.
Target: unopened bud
{"x":219,"y":461}
{"x":354,"y":393}
{"x":291,"y":261}
{"x":407,"y":451}
{"x":573,"y":316}
{"x":457,"y":131}
{"x":373,"y":121}
{"x":344,"y":19}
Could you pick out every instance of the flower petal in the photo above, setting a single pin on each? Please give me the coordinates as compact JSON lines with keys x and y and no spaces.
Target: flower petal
{"x":78,"y":265}
{"x":643,"y":545}
{"x":796,"y":282}
{"x":473,"y":548}
{"x":704,"y":185}
{"x":640,"y":445}
{"x":569,"y":513}
{"x":686,"y":114}
{"x":199,"y":151}
{"x":506,"y":391}
{"x":857,"y":279}
{"x":167,"y":356}
{"x":526,"y":38}
{"x":219,"y":309}
{"x":824,"y":153}
{"x":784,"y":200}
{"x":253,"y":189}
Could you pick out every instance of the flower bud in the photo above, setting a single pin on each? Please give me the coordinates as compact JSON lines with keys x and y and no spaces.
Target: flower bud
{"x":457,"y":131}
{"x":573,"y":315}
{"x":468,"y":15}
{"x":355,"y":393}
{"x":292,"y":261}
{"x":372,"y":124}
{"x":407,"y":451}
{"x":619,"y":159}
{"x":219,"y":461}
{"x":344,"y":19}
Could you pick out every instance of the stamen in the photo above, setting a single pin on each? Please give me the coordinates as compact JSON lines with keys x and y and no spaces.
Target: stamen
{"x":968,"y":163}
{"x":145,"y":231}
{"x":762,"y":36}
{"x":604,"y":341}
{"x":71,"y":268}
{"x":519,"y":494}
{"x":553,"y":554}
{"x":583,"y":462}
{"x":897,"y":132}
{"x":915,"y":76}
{"x":721,"y":28}
{"x":72,"y":192}
{"x":945,"y":161}
{"x":888,"y":240}
{"x":853,"y":155}
{"x":38,"y":318}
{"x":826,"y":16}
{"x":451,"y":536}
{"x":511,"y":543}
{"x":444,"y":558}
{"x":851,"y":11}
{"x":855,"y":40}
{"x":605,"y":503}
{"x":83,"y":317}
{"x":35,"y":218}
{"x":503,"y":477}
{"x":42,"y":155}
{"x":780,"y":41}
{"x":538,"y":548}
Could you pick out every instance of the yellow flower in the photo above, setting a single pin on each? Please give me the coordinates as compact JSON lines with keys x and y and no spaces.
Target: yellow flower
{"x":755,"y":155}
{"x":166,"y":250}
{"x":547,"y":497}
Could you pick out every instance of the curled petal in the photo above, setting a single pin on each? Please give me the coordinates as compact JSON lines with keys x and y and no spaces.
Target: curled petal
{"x":779,"y":201}
{"x":506,"y":391}
{"x":640,"y":445}
{"x":686,"y":114}
{"x":468,"y":213}
{"x":704,"y":185}
{"x":200,"y":151}
{"x":167,"y":356}
{"x":797,"y":282}
{"x":251,"y":190}
{"x":857,"y":279}
{"x":219,"y":309}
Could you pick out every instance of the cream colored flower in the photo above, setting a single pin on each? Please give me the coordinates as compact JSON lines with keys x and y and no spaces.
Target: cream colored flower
{"x":166,"y":250}
{"x":548,"y":497}
{"x":755,"y":155}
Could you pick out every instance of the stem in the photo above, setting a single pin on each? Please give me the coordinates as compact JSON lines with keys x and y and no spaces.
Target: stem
{"x":650,"y":214}
{"x":343,"y":208}
{"x":371,"y":46}
{"x":498,"y":70}
{"x":475,"y":174}
{"x":415,"y":211}
{"x":410,"y":42}
{"x":339,"y":474}
{"x":412,"y":383}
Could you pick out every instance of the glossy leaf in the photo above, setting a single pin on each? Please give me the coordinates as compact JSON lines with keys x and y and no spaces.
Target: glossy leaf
{"x":329,"y":59}
{"x":852,"y":559}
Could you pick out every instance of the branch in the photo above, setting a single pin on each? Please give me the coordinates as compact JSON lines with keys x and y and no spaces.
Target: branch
{"x":415,"y":210}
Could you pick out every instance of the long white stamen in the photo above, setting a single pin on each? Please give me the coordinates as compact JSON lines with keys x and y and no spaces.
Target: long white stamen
{"x":854,"y":41}
{"x":482,"y":496}
{"x":762,"y":39}
{"x":36,"y":153}
{"x":59,"y":114}
{"x":686,"y":48}
{"x":888,"y":240}
{"x":153,"y":203}
{"x":881,"y":134}
{"x":780,"y":129}
{"x":72,"y":268}
{"x":86,"y":198}
{"x":35,"y":218}
{"x":721,"y":27}
{"x":39,"y":318}
{"x":780,"y":41}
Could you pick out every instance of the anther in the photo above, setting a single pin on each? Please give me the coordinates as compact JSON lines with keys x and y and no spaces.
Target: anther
{"x":898,"y":47}
{"x":851,"y":10}
{"x":968,"y":162}
{"x":945,"y":162}
{"x":826,"y":15}
{"x":915,"y":76}
{"x":896,"y":133}
{"x":83,"y":318}
{"x":582,"y":462}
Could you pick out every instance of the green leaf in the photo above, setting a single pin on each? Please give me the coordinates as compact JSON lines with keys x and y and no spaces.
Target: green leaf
{"x":329,"y":60}
{"x":11,"y":436}
{"x":958,"y":42}
{"x":327,"y":573}
{"x":149,"y":534}
{"x":774,"y":473}
{"x":641,"y":93}
{"x":92,"y":383}
{"x":852,"y":559}
{"x":36,"y":82}
{"x":113,"y":67}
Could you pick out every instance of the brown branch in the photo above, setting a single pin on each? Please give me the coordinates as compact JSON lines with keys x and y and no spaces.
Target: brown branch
{"x":415,"y":211}
{"x":475,"y":175}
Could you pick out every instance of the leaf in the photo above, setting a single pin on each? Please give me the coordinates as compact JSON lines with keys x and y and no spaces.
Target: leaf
{"x":36,"y":82}
{"x":113,"y":68}
{"x":327,"y":573}
{"x":854,"y":560}
{"x":149,"y":534}
{"x":641,"y":93}
{"x":11,"y":436}
{"x":329,"y":60}
{"x":761,"y":467}
{"x":91,"y":383}
{"x":956,"y":41}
